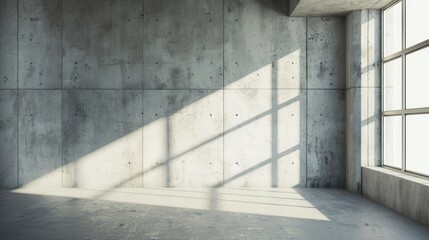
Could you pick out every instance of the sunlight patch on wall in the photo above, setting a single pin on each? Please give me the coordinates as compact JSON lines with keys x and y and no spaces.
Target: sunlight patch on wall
{"x":289,"y":71}
{"x":196,"y":123}
{"x":248,"y":124}
{"x":187,"y":143}
{"x":202,"y":138}
{"x":289,"y":169}
{"x":289,"y":121}
{"x":156,"y":154}
{"x":260,"y":79}
{"x":112,"y":165}
{"x":47,"y":180}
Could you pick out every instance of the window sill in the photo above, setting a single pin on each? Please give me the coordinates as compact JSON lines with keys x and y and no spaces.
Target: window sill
{"x":401,"y":192}
{"x":421,"y":179}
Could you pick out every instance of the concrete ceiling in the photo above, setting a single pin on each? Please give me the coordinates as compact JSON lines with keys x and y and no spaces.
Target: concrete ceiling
{"x":308,"y":8}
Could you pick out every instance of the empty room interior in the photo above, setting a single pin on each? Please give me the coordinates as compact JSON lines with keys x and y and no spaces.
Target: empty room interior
{"x":214,"y":119}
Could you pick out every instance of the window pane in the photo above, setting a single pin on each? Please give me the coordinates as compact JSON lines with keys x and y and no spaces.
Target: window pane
{"x":393,"y":85}
{"x":417,"y":79}
{"x":417,"y":17}
{"x":392,"y":29}
{"x":417,"y":159}
{"x":392,"y":151}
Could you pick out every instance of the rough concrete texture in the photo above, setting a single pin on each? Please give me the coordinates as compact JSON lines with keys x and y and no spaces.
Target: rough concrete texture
{"x":144,"y":99}
{"x":183,"y":44}
{"x":8,"y":44}
{"x":372,"y":190}
{"x":183,"y":213}
{"x":39,"y":158}
{"x":355,"y":147}
{"x":363,"y":94}
{"x":102,"y":138}
{"x":39,"y":39}
{"x":102,"y":44}
{"x":265,"y":136}
{"x":356,"y":56}
{"x":264,"y":49}
{"x":325,"y":138}
{"x":326,"y":53}
{"x":363,"y":49}
{"x":393,"y":189}
{"x":290,"y":139}
{"x":373,"y":127}
{"x":307,"y":8}
{"x":374,"y":48}
{"x":183,"y":140}
{"x":363,"y":133}
{"x":9,"y":138}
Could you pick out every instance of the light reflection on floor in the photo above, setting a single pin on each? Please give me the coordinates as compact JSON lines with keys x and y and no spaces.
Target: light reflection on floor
{"x":271,"y":202}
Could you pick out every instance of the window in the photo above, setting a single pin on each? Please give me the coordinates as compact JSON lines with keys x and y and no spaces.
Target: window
{"x":406,"y":86}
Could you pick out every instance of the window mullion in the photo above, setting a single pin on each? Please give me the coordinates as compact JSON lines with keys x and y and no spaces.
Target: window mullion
{"x":404,"y":85}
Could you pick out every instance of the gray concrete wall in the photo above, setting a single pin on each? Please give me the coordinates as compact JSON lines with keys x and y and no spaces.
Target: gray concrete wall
{"x":363,"y":94}
{"x":326,"y":102}
{"x":145,"y":93}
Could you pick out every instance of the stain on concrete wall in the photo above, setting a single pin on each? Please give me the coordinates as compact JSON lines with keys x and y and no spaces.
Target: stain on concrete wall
{"x":363,"y":95}
{"x":175,"y":93}
{"x":39,"y":155}
{"x":8,"y":44}
{"x":258,"y":34}
{"x":102,"y":138}
{"x":8,"y":139}
{"x":102,"y":44}
{"x":326,"y":138}
{"x":39,"y":39}
{"x":183,"y":44}
{"x":326,"y":51}
{"x":326,"y":70}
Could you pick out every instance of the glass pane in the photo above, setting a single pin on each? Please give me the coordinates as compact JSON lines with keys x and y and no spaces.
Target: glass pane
{"x":392,"y":151}
{"x":417,"y":159}
{"x":392,"y":85}
{"x":417,"y":79}
{"x":392,"y":29}
{"x":417,"y":17}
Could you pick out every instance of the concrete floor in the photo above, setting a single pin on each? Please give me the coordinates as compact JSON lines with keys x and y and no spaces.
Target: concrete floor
{"x":199,"y":214}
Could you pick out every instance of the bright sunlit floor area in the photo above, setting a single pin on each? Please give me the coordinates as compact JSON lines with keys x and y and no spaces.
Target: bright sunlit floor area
{"x":187,"y":213}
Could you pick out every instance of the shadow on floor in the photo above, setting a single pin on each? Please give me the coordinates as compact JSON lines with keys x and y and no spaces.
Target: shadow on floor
{"x":189,"y":214}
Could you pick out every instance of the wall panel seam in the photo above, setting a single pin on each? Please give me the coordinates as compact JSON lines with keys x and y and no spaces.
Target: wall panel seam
{"x":62,"y":96}
{"x":223,"y":93}
{"x":306,"y":102}
{"x":17,"y":92}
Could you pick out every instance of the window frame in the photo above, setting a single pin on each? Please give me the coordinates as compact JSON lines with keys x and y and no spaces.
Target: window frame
{"x":403,"y":112}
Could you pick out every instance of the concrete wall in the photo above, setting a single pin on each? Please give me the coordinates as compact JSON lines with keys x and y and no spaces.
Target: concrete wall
{"x":145,"y":93}
{"x":363,"y":94}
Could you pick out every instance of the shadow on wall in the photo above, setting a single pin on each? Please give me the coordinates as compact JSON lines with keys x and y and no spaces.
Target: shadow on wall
{"x":280,"y":7}
{"x":182,"y":130}
{"x":224,"y":99}
{"x":190,"y":138}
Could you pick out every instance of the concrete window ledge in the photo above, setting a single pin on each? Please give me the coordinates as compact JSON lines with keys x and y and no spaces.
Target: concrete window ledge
{"x":406,"y":194}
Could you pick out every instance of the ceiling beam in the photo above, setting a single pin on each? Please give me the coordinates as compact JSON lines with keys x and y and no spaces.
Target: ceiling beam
{"x":310,"y":8}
